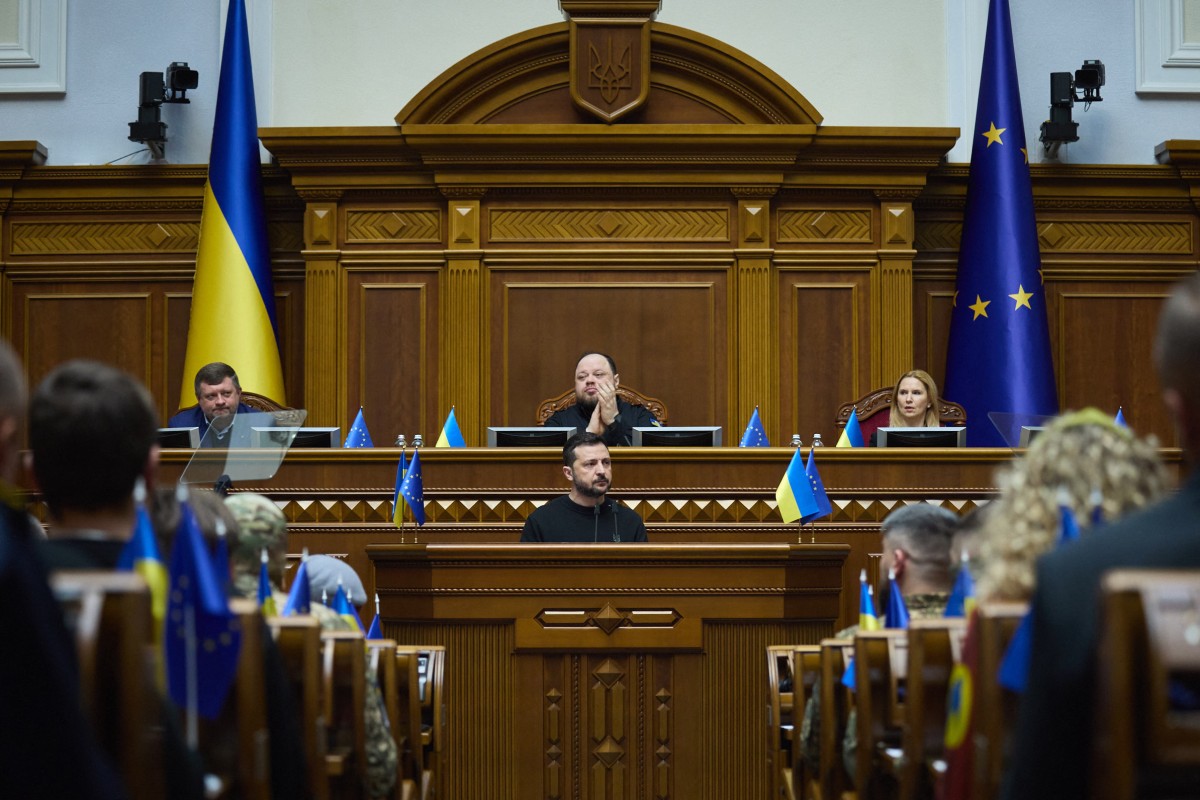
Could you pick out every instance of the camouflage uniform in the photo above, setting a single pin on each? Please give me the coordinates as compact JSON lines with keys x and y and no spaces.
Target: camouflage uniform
{"x":262,"y":525}
{"x":920,"y":606}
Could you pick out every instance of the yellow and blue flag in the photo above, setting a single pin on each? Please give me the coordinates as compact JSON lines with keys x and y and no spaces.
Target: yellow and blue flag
{"x":140,"y":554}
{"x":299,"y":598}
{"x":359,"y":436}
{"x":397,"y":498}
{"x":852,"y":433}
{"x":868,"y":620}
{"x":376,"y":629}
{"x":233,"y":297}
{"x":202,"y":638}
{"x":824,"y":507}
{"x":755,"y":435}
{"x":962,"y":594}
{"x":451,"y":436}
{"x":345,"y":609}
{"x":795,"y":492}
{"x":266,"y":597}
{"x":412,"y":489}
{"x":998,"y":358}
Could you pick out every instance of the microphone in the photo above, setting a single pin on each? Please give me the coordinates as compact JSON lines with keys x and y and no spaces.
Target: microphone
{"x":595,"y":523}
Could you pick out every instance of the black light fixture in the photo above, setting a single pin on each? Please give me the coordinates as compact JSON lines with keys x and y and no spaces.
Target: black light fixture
{"x":1065,"y":91}
{"x":154,"y":90}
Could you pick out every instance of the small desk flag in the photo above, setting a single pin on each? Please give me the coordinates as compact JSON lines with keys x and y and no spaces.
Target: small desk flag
{"x":962,"y":595}
{"x":412,"y":489}
{"x":359,"y":436}
{"x":755,"y":435}
{"x":397,"y":498}
{"x":896,"y":615}
{"x":376,"y":629}
{"x":795,"y":493}
{"x":824,"y":507}
{"x":451,"y":436}
{"x":852,"y":433}
{"x":299,"y":597}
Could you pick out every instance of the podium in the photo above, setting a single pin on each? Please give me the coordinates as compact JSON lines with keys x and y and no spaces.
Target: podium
{"x":606,"y":671}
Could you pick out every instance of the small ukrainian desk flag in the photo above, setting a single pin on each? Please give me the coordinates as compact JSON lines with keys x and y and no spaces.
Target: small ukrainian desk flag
{"x":795,"y":492}
{"x":451,"y":436}
{"x":852,"y":433}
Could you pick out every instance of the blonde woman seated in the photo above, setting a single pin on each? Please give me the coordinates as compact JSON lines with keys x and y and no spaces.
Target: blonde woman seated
{"x":915,"y":401}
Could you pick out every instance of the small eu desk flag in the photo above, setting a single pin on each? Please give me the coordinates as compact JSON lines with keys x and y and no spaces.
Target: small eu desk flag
{"x":998,"y":359}
{"x":412,"y":489}
{"x":755,"y":435}
{"x":359,"y":436}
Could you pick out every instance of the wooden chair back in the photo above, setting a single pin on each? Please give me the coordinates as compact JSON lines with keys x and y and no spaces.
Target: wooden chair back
{"x":779,"y":715}
{"x":109,"y":615}
{"x":835,"y":709}
{"x":299,"y":641}
{"x":1147,"y":741}
{"x":994,"y":708}
{"x":433,"y":704}
{"x":344,"y":694}
{"x":409,"y":738}
{"x":934,"y":647}
{"x":381,"y":657}
{"x":632,"y":396}
{"x":880,"y":664}
{"x":235,"y":746}
{"x":806,"y":668}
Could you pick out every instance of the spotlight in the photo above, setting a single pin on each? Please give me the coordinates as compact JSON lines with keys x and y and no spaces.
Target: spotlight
{"x":153,"y":91}
{"x":1065,"y":91}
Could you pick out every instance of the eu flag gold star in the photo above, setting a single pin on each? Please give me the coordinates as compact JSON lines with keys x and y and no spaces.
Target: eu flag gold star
{"x":979,"y":307}
{"x":1022,"y":298}
{"x":993,"y":135}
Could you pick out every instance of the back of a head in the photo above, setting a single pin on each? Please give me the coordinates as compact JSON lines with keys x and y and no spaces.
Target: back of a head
{"x":1078,"y":454}
{"x":91,"y":430}
{"x":1177,"y":346}
{"x":926,"y":533}
{"x":260,"y":525}
{"x":323,"y":574}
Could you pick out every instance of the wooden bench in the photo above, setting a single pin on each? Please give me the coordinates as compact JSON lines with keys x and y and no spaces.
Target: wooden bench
{"x":420,"y":672}
{"x":806,"y":668}
{"x":1147,"y":744}
{"x":994,"y":708}
{"x":934,"y":647}
{"x":780,"y":719}
{"x":344,"y":693}
{"x":299,"y":642}
{"x":880,"y":667}
{"x":835,"y":709}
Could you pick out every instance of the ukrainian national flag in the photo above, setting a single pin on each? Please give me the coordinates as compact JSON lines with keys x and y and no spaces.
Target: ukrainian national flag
{"x":795,"y":492}
{"x":852,"y":433}
{"x":345,"y":609}
{"x":868,"y":620}
{"x":451,"y":436}
{"x":266,"y":597}
{"x":397,"y":498}
{"x":233,"y":299}
{"x":998,"y":358}
{"x":962,"y":595}
{"x":140,"y":554}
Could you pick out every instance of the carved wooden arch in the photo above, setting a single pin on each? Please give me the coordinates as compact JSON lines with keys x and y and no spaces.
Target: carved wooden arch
{"x":694,"y":79}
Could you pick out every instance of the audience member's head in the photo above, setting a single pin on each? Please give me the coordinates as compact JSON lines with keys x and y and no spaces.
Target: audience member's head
{"x":915,"y":401}
{"x":12,"y":410}
{"x":92,"y":432}
{"x":1078,"y":455}
{"x":218,"y":391}
{"x":324,"y":572}
{"x":1176,"y":353}
{"x":260,"y":526}
{"x":917,"y":545}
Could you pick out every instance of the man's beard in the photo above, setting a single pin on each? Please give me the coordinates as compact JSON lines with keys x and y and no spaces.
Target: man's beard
{"x":586,"y":404}
{"x":590,"y":491}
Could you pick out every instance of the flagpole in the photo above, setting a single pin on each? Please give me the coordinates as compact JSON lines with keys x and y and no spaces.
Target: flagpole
{"x":193,"y":687}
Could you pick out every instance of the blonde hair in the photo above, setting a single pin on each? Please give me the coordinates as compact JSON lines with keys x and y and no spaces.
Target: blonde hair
{"x":932,"y":418}
{"x":1078,"y":454}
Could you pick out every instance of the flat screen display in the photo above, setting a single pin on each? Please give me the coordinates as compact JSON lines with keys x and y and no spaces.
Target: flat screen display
{"x":921,"y":437}
{"x":529,"y":437}
{"x":678,"y":436}
{"x":179,"y":437}
{"x":303,"y":437}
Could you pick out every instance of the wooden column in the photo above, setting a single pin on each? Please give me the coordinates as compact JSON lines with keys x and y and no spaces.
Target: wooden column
{"x":462,"y":382}
{"x":755,"y":367}
{"x":892,"y":291}
{"x":324,"y":357}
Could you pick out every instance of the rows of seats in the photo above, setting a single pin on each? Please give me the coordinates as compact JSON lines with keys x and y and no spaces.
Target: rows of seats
{"x":1147,"y":727}
{"x":109,"y":616}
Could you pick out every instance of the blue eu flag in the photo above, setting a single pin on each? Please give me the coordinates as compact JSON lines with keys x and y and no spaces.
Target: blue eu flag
{"x":999,"y":353}
{"x":756,"y":434}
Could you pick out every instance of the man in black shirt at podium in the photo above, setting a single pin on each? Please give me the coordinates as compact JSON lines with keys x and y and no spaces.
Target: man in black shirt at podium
{"x":585,"y":514}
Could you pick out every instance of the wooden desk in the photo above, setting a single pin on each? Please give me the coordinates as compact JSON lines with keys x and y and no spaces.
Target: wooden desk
{"x":339,"y":501}
{"x":596,"y":671}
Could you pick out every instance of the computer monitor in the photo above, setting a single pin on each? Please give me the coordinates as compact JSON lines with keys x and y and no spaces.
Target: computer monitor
{"x":1028,"y":434}
{"x":921,"y":437}
{"x":179,"y":437}
{"x":303,"y":437}
{"x":677,"y":436}
{"x":537,"y":436}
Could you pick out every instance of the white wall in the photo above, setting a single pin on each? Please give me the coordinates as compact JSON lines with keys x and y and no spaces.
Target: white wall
{"x":357,"y":62}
